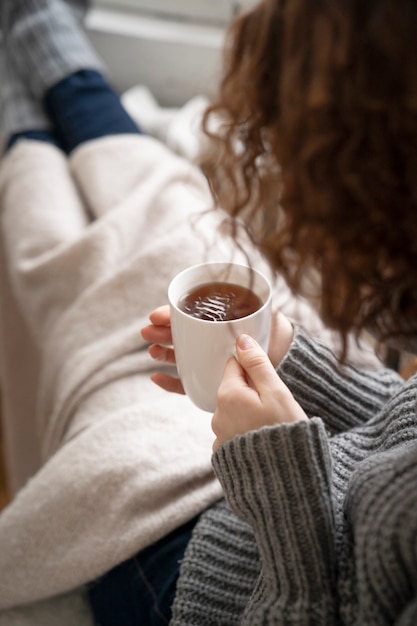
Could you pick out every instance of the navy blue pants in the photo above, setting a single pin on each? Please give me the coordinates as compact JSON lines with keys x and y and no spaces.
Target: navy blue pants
{"x":140,"y":591}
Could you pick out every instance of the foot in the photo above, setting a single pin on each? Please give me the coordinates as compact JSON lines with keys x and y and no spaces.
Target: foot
{"x":46,"y":40}
{"x":19,"y":110}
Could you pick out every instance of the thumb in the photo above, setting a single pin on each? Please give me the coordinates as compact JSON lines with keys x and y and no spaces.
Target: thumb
{"x":256,"y":363}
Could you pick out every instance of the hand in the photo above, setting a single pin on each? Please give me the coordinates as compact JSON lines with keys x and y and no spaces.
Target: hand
{"x":282,"y":333}
{"x":251,"y":395}
{"x":158,"y":333}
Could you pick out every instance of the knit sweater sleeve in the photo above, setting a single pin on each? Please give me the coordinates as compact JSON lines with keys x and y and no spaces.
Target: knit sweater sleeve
{"x":409,"y":615}
{"x":342,"y":395}
{"x":279,"y":480}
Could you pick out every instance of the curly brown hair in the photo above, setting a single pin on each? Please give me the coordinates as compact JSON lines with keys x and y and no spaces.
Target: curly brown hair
{"x":318,"y":110}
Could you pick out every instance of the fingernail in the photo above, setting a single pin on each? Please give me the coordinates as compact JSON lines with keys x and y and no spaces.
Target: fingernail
{"x":245,"y":342}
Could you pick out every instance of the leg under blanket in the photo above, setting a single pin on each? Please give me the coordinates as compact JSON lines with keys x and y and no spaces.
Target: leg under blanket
{"x":91,"y":244}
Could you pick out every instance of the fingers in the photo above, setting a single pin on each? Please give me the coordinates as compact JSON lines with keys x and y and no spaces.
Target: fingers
{"x":160,"y":316}
{"x":256,"y":364}
{"x":235,"y":383}
{"x":157,"y":334}
{"x":159,"y":330}
{"x":233,"y":374}
{"x":235,"y":396}
{"x":168,"y":383}
{"x":162,"y":353}
{"x":280,"y":338}
{"x":215,"y":445}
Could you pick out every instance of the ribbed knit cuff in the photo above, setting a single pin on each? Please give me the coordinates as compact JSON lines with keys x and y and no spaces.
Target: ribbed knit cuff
{"x":219,"y":571}
{"x":343,"y":396}
{"x":278,"y":479}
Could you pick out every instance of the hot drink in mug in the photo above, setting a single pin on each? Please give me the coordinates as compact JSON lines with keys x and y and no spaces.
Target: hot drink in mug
{"x":211,"y":304}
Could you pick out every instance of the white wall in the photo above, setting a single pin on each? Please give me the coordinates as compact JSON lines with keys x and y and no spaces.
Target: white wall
{"x":175,"y":60}
{"x":172,"y":46}
{"x":215,"y":11}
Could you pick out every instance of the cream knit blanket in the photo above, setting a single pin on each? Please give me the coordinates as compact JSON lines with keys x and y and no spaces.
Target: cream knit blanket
{"x":89,"y":246}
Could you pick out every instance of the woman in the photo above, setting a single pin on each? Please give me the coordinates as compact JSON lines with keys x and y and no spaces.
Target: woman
{"x":319,"y":460}
{"x":96,"y":218}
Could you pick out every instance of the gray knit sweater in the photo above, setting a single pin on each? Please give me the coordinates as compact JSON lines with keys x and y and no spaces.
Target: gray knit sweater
{"x":322,"y":523}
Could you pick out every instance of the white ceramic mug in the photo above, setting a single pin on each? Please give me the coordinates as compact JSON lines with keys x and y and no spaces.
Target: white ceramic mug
{"x":203,"y":347}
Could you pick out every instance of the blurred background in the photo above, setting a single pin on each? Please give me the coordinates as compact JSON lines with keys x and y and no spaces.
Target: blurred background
{"x":174,"y":47}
